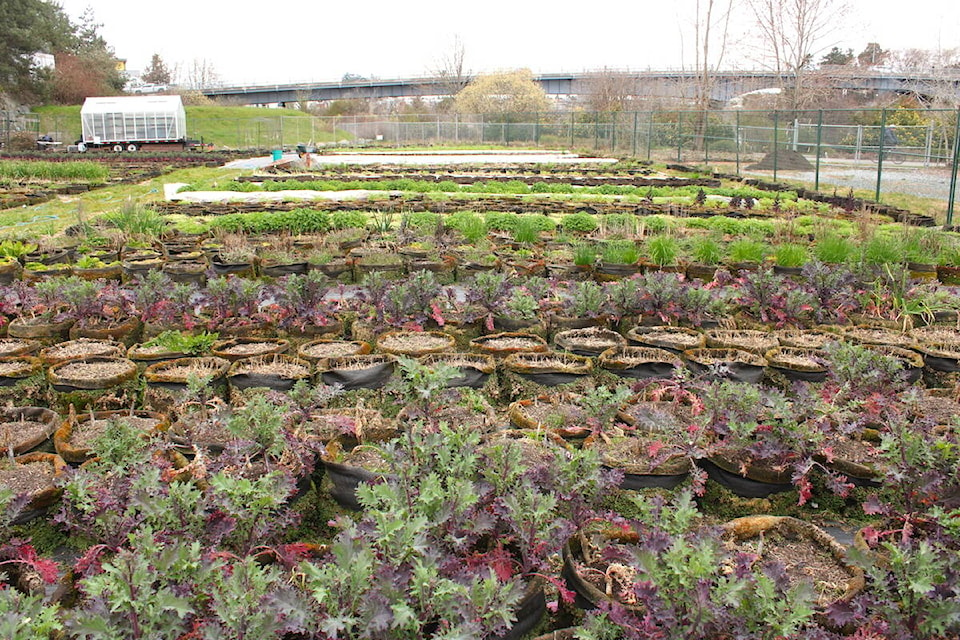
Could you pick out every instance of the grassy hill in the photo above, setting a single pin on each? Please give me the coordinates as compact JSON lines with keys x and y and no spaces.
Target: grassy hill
{"x":225,"y":127}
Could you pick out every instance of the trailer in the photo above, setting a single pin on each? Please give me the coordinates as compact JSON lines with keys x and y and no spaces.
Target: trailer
{"x":128,"y":123}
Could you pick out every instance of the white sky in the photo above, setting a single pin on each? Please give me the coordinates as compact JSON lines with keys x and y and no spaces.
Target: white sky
{"x":293,"y":41}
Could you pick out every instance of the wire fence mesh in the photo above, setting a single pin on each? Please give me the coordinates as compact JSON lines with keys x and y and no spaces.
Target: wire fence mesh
{"x":916,"y":148}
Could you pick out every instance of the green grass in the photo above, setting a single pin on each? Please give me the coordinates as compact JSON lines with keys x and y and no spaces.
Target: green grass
{"x":91,"y":172}
{"x":231,"y":127}
{"x":55,"y":215}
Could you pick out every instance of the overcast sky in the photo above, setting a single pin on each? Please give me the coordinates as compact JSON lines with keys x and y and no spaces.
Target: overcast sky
{"x":293,"y":41}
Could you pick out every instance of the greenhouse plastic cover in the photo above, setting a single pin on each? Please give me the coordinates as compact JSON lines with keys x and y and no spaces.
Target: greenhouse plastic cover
{"x":133,"y":119}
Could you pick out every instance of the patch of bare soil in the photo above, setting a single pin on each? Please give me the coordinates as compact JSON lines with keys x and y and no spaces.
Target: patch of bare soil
{"x":92,"y":370}
{"x":248,"y":349}
{"x":15,"y":369}
{"x":22,"y":431}
{"x":85,"y":432}
{"x":413,"y":342}
{"x":26,"y":478}
{"x":512,"y":344}
{"x":279,"y":368}
{"x":331,"y":349}
{"x":73,"y":349}
{"x":803,"y":560}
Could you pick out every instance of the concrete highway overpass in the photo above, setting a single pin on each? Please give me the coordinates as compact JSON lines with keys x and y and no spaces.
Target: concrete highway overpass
{"x":656,"y":84}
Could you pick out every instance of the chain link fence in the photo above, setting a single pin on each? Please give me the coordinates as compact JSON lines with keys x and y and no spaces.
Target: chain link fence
{"x":913,"y":151}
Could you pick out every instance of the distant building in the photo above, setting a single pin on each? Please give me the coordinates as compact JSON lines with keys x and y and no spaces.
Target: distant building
{"x":43,"y":61}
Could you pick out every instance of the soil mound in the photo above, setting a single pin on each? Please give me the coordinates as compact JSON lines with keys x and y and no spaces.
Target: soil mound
{"x":786,"y":161}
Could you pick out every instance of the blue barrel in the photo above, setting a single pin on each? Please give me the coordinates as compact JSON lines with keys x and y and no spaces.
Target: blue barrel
{"x":277,"y":155}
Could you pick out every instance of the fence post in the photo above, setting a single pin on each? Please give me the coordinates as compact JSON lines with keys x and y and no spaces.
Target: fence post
{"x":928,"y":145}
{"x":857,"y":153}
{"x":776,"y":141}
{"x":635,"y":115}
{"x":596,"y":131}
{"x":796,"y":133}
{"x":613,"y":134}
{"x":953,"y":171}
{"x":572,"y":115}
{"x":816,"y":172}
{"x":736,"y":141}
{"x":679,"y":133}
{"x":649,"y":135}
{"x":883,"y":128}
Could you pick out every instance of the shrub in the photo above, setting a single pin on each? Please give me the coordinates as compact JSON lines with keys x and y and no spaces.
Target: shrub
{"x":580,"y":222}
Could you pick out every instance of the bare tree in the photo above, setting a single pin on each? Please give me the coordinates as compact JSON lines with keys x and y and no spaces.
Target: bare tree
{"x":792,"y":33}
{"x":609,"y":91}
{"x":450,"y":71}
{"x":711,"y":28}
{"x":200,"y":74}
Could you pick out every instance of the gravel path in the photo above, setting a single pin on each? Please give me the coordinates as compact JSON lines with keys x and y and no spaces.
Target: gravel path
{"x":913,"y":179}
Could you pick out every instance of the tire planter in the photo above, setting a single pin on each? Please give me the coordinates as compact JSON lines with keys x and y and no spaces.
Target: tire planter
{"x":591,"y":341}
{"x":346,"y":477}
{"x":548,"y":369}
{"x":46,"y":332}
{"x":586,"y":594}
{"x":79,"y":349}
{"x":948,"y":274}
{"x":805,"y":365}
{"x":141,"y":267}
{"x":102,"y":383}
{"x":240,"y":269}
{"x":339,"y":270}
{"x":311,"y":331}
{"x":318,"y":352}
{"x":9,"y":271}
{"x":569,"y":416}
{"x":756,"y":342}
{"x":415,"y":343}
{"x":564,"y":323}
{"x":43,"y":422}
{"x":667,"y":474}
{"x":610,"y":271}
{"x":239,"y":348}
{"x":276,"y":372}
{"x":149,"y":422}
{"x":806,"y":338}
{"x":14,"y":347}
{"x":166,"y":382}
{"x":702,"y":272}
{"x":501,"y":345}
{"x":108,"y":272}
{"x":474,"y":369}
{"x":941,"y":357}
{"x":675,"y":339}
{"x":127,"y":331}
{"x":271,"y":269}
{"x":145,"y":356}
{"x":861,"y":473}
{"x":936,"y":335}
{"x":734,"y":364}
{"x":528,"y":612}
{"x":22,"y":380}
{"x":51,"y":271}
{"x":371,"y":371}
{"x":741,"y":530}
{"x":759,"y":481}
{"x":187,"y":271}
{"x":42,"y":498}
{"x":868,"y":335}
{"x":911,"y":360}
{"x":640,"y":362}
